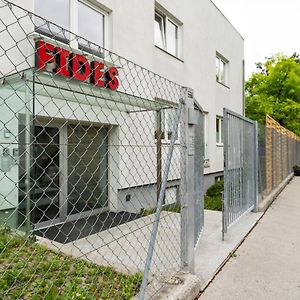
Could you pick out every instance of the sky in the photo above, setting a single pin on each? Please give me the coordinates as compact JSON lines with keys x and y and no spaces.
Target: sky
{"x":268,"y":27}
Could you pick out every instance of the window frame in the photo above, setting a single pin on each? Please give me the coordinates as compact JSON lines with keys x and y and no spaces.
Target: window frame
{"x":219,"y":135}
{"x":206,"y":134}
{"x":100,"y":11}
{"x":166,"y":19}
{"x":219,"y":178}
{"x":166,"y":129}
{"x":162,"y":33}
{"x":73,"y":27}
{"x":47,"y":33}
{"x":221,"y":60}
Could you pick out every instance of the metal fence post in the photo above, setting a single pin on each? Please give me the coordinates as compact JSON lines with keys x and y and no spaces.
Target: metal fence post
{"x":27,"y":124}
{"x":225,"y":194}
{"x":273,"y":159}
{"x":224,"y":227}
{"x":255,"y":152}
{"x":159,"y":206}
{"x":281,"y":157}
{"x":187,"y":187}
{"x":159,"y":137}
{"x":199,"y":171}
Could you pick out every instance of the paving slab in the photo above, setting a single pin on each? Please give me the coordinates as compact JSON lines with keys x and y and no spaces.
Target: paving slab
{"x":267,"y":264}
{"x":212,"y":251}
{"x":125,"y":248}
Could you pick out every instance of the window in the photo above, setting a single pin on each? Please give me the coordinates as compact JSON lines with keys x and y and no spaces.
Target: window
{"x":171,"y":38}
{"x":56,"y":11}
{"x":206,"y":133}
{"x":219,"y":178}
{"x":221,"y":70}
{"x":206,"y":140}
{"x":91,"y":27}
{"x":87,"y":21}
{"x":168,"y":118}
{"x":219,"y":131}
{"x":159,"y":31}
{"x":166,"y":33}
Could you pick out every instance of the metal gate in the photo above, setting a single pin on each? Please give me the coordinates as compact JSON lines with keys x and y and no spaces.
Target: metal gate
{"x":240,"y":167}
{"x":199,"y":170}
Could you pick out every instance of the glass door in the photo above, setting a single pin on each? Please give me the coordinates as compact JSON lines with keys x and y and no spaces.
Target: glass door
{"x":44,"y":187}
{"x":45,"y":174}
{"x":68,"y":173}
{"x":87,"y":169}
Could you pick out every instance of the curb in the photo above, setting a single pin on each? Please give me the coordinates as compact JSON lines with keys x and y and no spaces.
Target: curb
{"x":188,"y":289}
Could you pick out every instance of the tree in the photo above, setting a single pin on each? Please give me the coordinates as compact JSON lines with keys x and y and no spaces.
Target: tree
{"x":275,"y":90}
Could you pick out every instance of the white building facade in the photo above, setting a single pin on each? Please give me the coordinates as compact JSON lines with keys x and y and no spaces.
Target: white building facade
{"x":188,"y":42}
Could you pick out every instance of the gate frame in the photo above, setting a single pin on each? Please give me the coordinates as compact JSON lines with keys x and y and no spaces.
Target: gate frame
{"x":225,"y":199}
{"x":190,"y":191}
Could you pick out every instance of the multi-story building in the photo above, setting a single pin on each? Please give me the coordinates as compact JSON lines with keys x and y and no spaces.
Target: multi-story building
{"x":187,"y":42}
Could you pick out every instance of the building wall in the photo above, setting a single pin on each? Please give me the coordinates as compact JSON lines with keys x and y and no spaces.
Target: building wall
{"x":130,"y":33}
{"x":204,"y":31}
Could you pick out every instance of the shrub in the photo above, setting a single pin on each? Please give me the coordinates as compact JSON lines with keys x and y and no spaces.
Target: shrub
{"x":213,"y":203}
{"x":213,"y":197}
{"x":296,"y":169}
{"x":216,"y":189}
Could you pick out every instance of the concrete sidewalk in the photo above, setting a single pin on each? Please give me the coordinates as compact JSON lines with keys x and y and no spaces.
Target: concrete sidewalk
{"x":267,"y":265}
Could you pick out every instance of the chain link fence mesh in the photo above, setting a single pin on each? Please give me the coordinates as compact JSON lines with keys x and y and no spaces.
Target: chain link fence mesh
{"x":84,"y":139}
{"x":84,"y":142}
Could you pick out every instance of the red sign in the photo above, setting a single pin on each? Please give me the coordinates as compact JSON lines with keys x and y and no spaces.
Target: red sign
{"x":75,"y":66}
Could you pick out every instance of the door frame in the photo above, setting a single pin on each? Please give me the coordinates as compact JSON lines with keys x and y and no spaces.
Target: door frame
{"x":63,"y":176}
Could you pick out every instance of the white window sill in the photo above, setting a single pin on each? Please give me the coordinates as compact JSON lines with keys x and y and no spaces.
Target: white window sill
{"x":219,"y":144}
{"x":165,"y":51}
{"x":223,"y":84}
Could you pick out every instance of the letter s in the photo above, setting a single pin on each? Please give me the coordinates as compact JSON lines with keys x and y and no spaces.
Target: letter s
{"x":111,"y":76}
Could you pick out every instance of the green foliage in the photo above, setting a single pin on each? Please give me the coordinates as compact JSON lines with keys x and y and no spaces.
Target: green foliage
{"x":31,"y":271}
{"x":296,"y":169}
{"x":275,"y":90}
{"x":213,"y":197}
{"x":216,"y":189}
{"x":213,"y":203}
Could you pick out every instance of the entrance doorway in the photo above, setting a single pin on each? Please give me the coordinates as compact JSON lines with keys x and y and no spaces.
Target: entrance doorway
{"x":45,"y":174}
{"x":68,"y":174}
{"x":87,"y":168}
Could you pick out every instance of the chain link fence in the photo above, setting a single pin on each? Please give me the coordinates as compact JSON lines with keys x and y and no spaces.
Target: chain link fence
{"x":101,"y":167}
{"x":91,"y":146}
{"x":279,"y":151}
